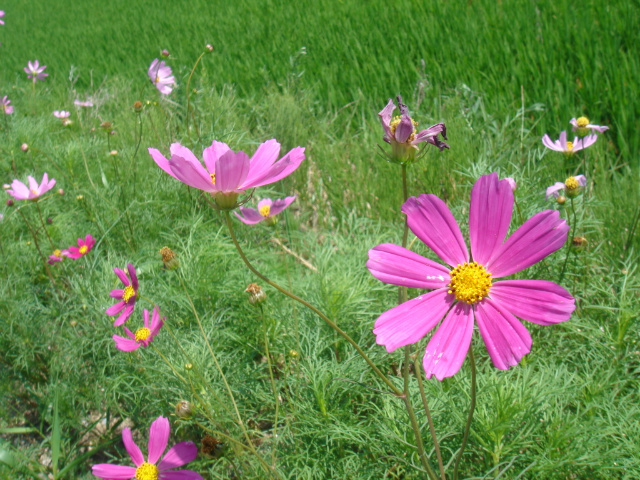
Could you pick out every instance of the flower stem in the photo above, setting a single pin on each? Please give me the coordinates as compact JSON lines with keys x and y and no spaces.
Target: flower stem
{"x":570,"y":240}
{"x":273,"y":386}
{"x":195,"y":65}
{"x":472,"y":407}
{"x":326,"y":319}
{"x":35,"y":241}
{"x":44,"y":227}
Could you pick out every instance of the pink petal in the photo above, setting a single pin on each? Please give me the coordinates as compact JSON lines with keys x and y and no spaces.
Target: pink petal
{"x":554,"y":189}
{"x":547,"y":142}
{"x":124,"y":315}
{"x":115,"y":309}
{"x":161,"y":161}
{"x":431,"y":221}
{"x":506,"y":339}
{"x":117,"y":293}
{"x":404,"y":129}
{"x":33,"y":185}
{"x":385,"y":118}
{"x":283,"y":167}
{"x":396,"y":265}
{"x":586,"y":142}
{"x":113,"y":472}
{"x":410,"y":321}
{"x":582,"y":180}
{"x":432,"y":131}
{"x":178,"y":455}
{"x":449,"y":345}
{"x":132,"y":449}
{"x":231,"y":171}
{"x":122,"y":276}
{"x":262,"y":160}
{"x":129,"y":333}
{"x":541,"y":235}
{"x":489,"y":216}
{"x":179,"y":475}
{"x":211,"y":154}
{"x":158,"y":438}
{"x":280,"y":204}
{"x":538,"y":301}
{"x":132,"y":275}
{"x":20,"y":190}
{"x":191,"y":172}
{"x":250,"y":216}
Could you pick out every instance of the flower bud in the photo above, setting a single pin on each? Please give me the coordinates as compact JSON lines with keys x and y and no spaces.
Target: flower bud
{"x":188,"y":366}
{"x":60,"y":191}
{"x":579,"y":242}
{"x":9,"y":202}
{"x":211,"y":446}
{"x":256,"y":294}
{"x":294,"y":354}
{"x":561,"y":200}
{"x":80,"y":197}
{"x":137,"y":106}
{"x":106,"y":126}
{"x":73,"y":323}
{"x":24,"y":147}
{"x":184,"y":409}
{"x":169,"y":258}
{"x":165,"y":53}
{"x":49,"y":221}
{"x":208,"y":47}
{"x":113,"y":153}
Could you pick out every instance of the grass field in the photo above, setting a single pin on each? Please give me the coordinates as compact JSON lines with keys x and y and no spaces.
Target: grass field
{"x":311,"y":74}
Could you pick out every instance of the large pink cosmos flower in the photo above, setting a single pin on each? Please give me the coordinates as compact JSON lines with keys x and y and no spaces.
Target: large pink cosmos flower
{"x":127,"y":295}
{"x":160,"y":75}
{"x":227,"y":173}
{"x":20,"y":191}
{"x":84,"y":247}
{"x":178,"y":455}
{"x":267,"y":210}
{"x":35,"y":71}
{"x":143,"y":336}
{"x":568,"y":148}
{"x":6,"y":108}
{"x":465,"y":292}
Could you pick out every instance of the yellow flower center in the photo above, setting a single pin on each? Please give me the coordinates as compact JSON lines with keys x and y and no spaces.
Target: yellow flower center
{"x":128,"y":293}
{"x":157,"y":79}
{"x":265,"y":210}
{"x":213,"y":178}
{"x":569,"y":147}
{"x":35,"y":192}
{"x":83,"y":249}
{"x":142,"y":334}
{"x":57,"y":252}
{"x":582,"y":122}
{"x":470,"y":282}
{"x":393,"y":125}
{"x":571,"y":183}
{"x":147,"y":471}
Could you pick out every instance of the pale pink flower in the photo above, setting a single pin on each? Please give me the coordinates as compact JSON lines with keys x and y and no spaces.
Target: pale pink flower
{"x":267,"y":209}
{"x":35,"y":71}
{"x":20,"y":191}
{"x":568,"y":148}
{"x":143,"y":336}
{"x":1,"y":15}
{"x":80,"y":103}
{"x":84,"y":247}
{"x":61,"y":114}
{"x":464,"y":292}
{"x":571,"y":187}
{"x":8,"y":109}
{"x":127,"y":295}
{"x":512,"y":183}
{"x":56,"y":256}
{"x":177,"y":456}
{"x":583,"y":127}
{"x":160,"y":75}
{"x":227,"y":174}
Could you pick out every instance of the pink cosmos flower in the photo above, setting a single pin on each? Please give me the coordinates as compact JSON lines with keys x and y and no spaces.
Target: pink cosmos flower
{"x":127,"y":295}
{"x":80,"y":103}
{"x":84,"y":247}
{"x":267,"y":209}
{"x":583,"y":127}
{"x":20,"y":191}
{"x":1,"y":15}
{"x":35,"y":71}
{"x":161,"y":77}
{"x":401,"y":133}
{"x":143,"y":336}
{"x":56,"y":256}
{"x":8,"y":109}
{"x":61,"y":114}
{"x":568,"y":148}
{"x":227,"y":173}
{"x":465,"y":291}
{"x":571,"y":186}
{"x":177,"y":456}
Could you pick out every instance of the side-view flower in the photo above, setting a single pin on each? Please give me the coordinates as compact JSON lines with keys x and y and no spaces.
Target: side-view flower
{"x":566,"y":147}
{"x":6,"y":108}
{"x":143,"y":336}
{"x":267,"y":210}
{"x":583,"y":127}
{"x":571,"y":186}
{"x":20,"y":191}
{"x":84,"y":247}
{"x":127,"y":295}
{"x":160,"y":75}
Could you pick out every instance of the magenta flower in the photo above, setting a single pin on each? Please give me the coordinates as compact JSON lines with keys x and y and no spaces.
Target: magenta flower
{"x":127,"y":295}
{"x":571,"y":187}
{"x":227,"y":173}
{"x":143,"y":336}
{"x":401,"y":133}
{"x":20,"y":191}
{"x":8,"y":109}
{"x":35,"y":71}
{"x":84,"y":247}
{"x":583,"y":127}
{"x":61,"y":114}
{"x":465,"y":291}
{"x":568,"y":148}
{"x":177,"y":456}
{"x":80,"y":103}
{"x":160,"y":75}
{"x":56,"y":256}
{"x":1,"y":15}
{"x":267,"y":210}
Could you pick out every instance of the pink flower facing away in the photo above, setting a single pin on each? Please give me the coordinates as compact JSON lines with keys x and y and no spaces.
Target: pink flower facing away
{"x":127,"y":295}
{"x":35,"y":71}
{"x":568,"y":148}
{"x":227,"y":173}
{"x":401,"y":132}
{"x":571,"y":187}
{"x":464,"y":292}
{"x":20,"y":191}
{"x":583,"y":127}
{"x":61,"y":114}
{"x":177,"y":456}
{"x":84,"y":247}
{"x":267,"y":210}
{"x":143,"y":336}
{"x":160,"y":75}
{"x":56,"y":256}
{"x":6,"y":108}
{"x":80,"y":103}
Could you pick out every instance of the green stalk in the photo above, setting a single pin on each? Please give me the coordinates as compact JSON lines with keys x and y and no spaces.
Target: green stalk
{"x":472,"y":407}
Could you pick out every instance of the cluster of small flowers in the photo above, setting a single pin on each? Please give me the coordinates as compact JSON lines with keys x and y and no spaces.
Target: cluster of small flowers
{"x":84,"y":246}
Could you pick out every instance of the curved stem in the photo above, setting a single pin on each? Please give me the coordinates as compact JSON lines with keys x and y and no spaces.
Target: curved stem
{"x":326,"y":319}
{"x":44,"y":227}
{"x":273,"y":386}
{"x":573,"y":231}
{"x":472,"y":407}
{"x":189,"y":92}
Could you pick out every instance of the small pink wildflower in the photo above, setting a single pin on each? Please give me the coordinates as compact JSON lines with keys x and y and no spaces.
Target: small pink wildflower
{"x":61,"y":114}
{"x":35,"y":71}
{"x":1,"y":15}
{"x":56,"y":256}
{"x":127,"y":295}
{"x":84,"y":247}
{"x":8,"y":109}
{"x":571,"y":186}
{"x":20,"y":191}
{"x":568,"y":148}
{"x":267,"y":209}
{"x":143,"y":336}
{"x":160,"y":75}
{"x":177,"y":456}
{"x":80,"y":103}
{"x":583,"y":127}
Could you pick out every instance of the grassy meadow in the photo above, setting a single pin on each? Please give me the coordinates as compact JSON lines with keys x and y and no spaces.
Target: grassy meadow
{"x":499,"y":74}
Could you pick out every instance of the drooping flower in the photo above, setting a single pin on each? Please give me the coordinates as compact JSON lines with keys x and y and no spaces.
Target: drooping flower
{"x":227,"y":173}
{"x":160,"y":75}
{"x":80,"y":103}
{"x":20,"y":191}
{"x":571,"y":186}
{"x":568,"y":148}
{"x":127,"y":295}
{"x":61,"y":114}
{"x":84,"y":247}
{"x":583,"y":127}
{"x":143,"y":336}
{"x":35,"y":71}
{"x":6,"y":108}
{"x":401,"y":132}
{"x":267,"y":210}
{"x":177,"y":456}
{"x":57,"y":256}
{"x":464,"y":292}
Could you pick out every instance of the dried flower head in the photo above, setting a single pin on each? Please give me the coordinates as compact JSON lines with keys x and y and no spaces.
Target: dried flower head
{"x":169,"y":258}
{"x":256,"y":294}
{"x":184,"y":409}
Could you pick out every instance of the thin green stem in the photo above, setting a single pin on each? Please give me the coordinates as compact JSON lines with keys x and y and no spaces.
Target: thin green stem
{"x":573,"y":231}
{"x":44,"y":227}
{"x":273,"y":386}
{"x":472,"y":407}
{"x":189,"y":93}
{"x":35,"y":241}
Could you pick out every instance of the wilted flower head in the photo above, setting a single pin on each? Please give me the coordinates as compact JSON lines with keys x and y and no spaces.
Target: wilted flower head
{"x":401,"y":133}
{"x":227,"y":174}
{"x":169,"y":258}
{"x":256,"y":294}
{"x":84,"y":247}
{"x":583,"y":127}
{"x":35,"y":71}
{"x":568,"y":148}
{"x":143,"y":336}
{"x":184,"y":409}
{"x":80,"y":103}
{"x":6,"y":108}
{"x":267,"y":209}
{"x":161,"y":77}
{"x":571,"y":186}
{"x":20,"y":191}
{"x":127,"y":295}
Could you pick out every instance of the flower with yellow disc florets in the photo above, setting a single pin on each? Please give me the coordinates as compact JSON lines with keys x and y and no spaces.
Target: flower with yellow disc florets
{"x":143,"y":336}
{"x":572,"y":187}
{"x":583,"y":128}
{"x":567,"y":147}
{"x":127,"y":295}
{"x":267,"y":211}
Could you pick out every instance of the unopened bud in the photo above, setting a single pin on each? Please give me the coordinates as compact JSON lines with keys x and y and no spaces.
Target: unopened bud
{"x":169,"y":258}
{"x":60,"y":191}
{"x":73,"y":323}
{"x":184,"y":409}
{"x":512,"y":183}
{"x":24,"y":147}
{"x":208,"y":47}
{"x":80,"y":197}
{"x":188,"y":366}
{"x":113,"y":153}
{"x":137,"y":106}
{"x":49,"y":221}
{"x":9,"y":202}
{"x":256,"y":294}
{"x":165,"y":53}
{"x":561,"y":200}
{"x":106,"y":126}
{"x":579,"y":242}
{"x":294,"y":353}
